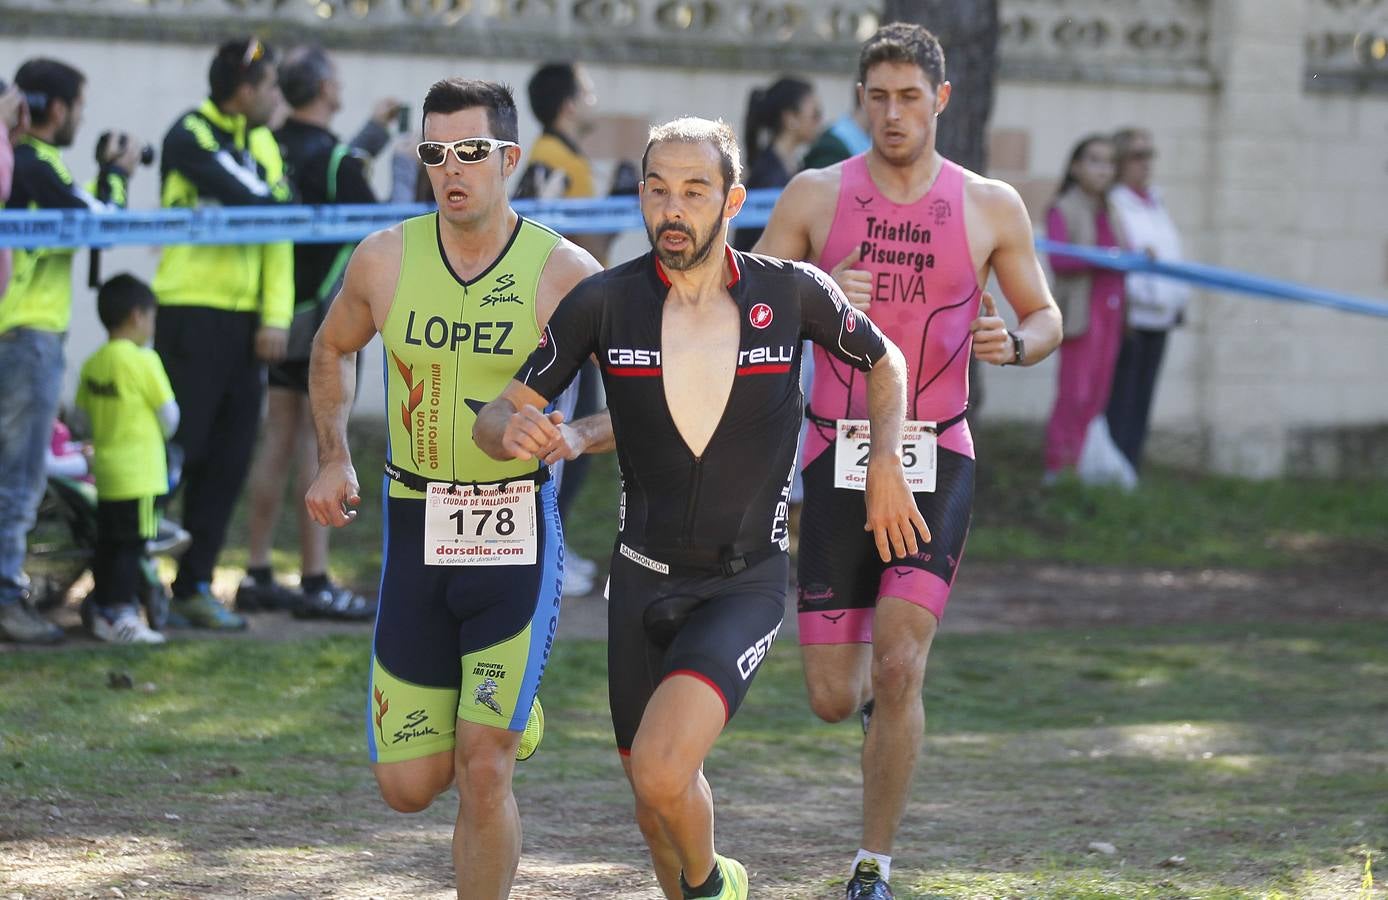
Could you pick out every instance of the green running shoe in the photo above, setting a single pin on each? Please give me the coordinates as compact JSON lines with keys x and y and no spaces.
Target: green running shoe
{"x":204,"y":611}
{"x":734,"y":880}
{"x":534,"y":732}
{"x":867,"y":883}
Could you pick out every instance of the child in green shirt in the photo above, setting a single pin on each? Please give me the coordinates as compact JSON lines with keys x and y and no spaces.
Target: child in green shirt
{"x":125,"y":393}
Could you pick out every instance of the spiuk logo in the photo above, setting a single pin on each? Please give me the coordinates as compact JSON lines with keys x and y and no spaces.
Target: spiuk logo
{"x":760,"y":315}
{"x":411,"y":402}
{"x":382,"y":706}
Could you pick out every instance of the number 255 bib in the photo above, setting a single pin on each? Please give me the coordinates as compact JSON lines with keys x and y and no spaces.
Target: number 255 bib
{"x":917,"y":454}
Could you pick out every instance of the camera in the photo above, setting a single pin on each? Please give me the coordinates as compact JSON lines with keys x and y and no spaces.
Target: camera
{"x":402,"y":118}
{"x":146,"y":152}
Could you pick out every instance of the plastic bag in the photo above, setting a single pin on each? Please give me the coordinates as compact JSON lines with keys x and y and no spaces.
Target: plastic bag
{"x":1101,"y":462}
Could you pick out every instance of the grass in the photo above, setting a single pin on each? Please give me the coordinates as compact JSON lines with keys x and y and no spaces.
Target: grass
{"x":1255,"y":754}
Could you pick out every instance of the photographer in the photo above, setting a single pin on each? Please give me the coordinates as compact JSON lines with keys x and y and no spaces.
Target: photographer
{"x":324,"y":170}
{"x":34,"y":314}
{"x":224,"y":311}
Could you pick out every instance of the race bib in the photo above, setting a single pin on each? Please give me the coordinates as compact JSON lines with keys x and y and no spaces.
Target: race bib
{"x":495,"y":527}
{"x":917,"y":454}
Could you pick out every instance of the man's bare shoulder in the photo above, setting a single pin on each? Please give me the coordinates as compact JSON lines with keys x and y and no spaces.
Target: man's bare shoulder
{"x":568,"y":264}
{"x":996,"y":199}
{"x":815,"y":184}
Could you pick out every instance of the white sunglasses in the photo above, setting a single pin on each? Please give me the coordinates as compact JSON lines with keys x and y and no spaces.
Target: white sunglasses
{"x":468,"y":150}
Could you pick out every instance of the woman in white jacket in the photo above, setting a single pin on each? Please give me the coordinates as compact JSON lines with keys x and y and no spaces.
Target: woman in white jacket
{"x":1154,"y":305}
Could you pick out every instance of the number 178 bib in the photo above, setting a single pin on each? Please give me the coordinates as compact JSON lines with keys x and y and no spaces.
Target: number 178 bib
{"x":493,"y":527}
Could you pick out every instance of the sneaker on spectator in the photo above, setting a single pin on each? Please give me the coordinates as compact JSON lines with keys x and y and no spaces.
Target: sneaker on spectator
{"x":123,"y":625}
{"x":21,"y":624}
{"x":266,"y":596}
{"x":202,"y":610}
{"x":334,"y":602}
{"x":576,"y":584}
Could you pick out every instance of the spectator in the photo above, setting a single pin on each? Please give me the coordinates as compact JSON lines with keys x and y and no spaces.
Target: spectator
{"x":1154,"y":305}
{"x":846,"y":137}
{"x":562,"y":99}
{"x":781,"y":119}
{"x":34,"y":315}
{"x":225,"y":309}
{"x":126,"y":395}
{"x":1090,"y":300}
{"x":13,"y":115}
{"x":323,"y":170}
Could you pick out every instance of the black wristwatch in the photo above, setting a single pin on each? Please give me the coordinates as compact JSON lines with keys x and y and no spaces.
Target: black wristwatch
{"x":1019,"y":348}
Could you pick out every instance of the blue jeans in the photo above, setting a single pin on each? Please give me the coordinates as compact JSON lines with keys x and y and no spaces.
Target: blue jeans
{"x":31,"y":377}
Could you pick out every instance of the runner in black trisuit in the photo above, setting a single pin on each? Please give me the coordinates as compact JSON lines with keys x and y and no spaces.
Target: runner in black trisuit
{"x":700,"y":353}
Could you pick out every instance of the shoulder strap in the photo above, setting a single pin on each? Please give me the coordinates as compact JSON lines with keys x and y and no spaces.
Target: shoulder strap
{"x":344,"y":253}
{"x":340,"y":152}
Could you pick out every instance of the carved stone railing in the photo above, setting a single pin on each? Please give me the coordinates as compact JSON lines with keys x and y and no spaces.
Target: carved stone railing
{"x":816,"y":35}
{"x":1126,"y":40}
{"x":1347,"y":45}
{"x":1136,"y":41}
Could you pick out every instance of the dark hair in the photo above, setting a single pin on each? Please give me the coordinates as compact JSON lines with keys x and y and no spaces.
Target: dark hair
{"x":119,"y":297}
{"x":51,"y":80}
{"x":238,"y":62}
{"x":303,"y":73}
{"x":765,"y":108}
{"x":1067,"y":181}
{"x":453,"y":94}
{"x":692,"y":130}
{"x":552,"y":85}
{"x":903,"y":42}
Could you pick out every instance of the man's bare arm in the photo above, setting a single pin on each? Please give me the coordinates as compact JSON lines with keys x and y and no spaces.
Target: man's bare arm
{"x":787,"y":232}
{"x":515,"y":426}
{"x":348,"y":327}
{"x":892,"y":515}
{"x":567,"y":265}
{"x":1021,"y":278}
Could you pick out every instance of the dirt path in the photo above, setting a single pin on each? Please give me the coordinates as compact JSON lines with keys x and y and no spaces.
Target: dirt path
{"x":582,"y":843}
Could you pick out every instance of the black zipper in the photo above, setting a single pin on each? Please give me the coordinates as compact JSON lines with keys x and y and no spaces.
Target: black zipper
{"x":696,"y":477}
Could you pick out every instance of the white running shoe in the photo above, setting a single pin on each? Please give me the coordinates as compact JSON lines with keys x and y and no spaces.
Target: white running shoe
{"x":579,"y":565}
{"x":128,"y":628}
{"x":576,"y":584}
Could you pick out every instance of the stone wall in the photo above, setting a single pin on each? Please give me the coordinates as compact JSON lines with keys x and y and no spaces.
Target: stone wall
{"x":1270,"y":118}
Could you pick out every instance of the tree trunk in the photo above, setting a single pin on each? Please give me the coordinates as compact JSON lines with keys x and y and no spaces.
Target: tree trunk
{"x":968,"y":31}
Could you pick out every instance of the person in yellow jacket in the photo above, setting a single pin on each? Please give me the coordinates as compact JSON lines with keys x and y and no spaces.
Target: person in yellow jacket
{"x":224,"y":310}
{"x":35,"y":308}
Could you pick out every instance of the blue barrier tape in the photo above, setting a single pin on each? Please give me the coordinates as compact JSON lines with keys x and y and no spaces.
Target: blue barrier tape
{"x":305,"y":224}
{"x":344,"y":223}
{"x":1217,"y":278}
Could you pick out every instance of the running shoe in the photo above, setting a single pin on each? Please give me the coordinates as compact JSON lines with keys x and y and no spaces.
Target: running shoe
{"x":534,"y":732}
{"x":334,"y":602}
{"x":867,"y":883}
{"x":256,"y":596}
{"x":734,"y":880}
{"x":579,"y":564}
{"x":21,"y":624}
{"x":576,"y":584}
{"x":202,"y":610}
{"x":123,"y":625}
